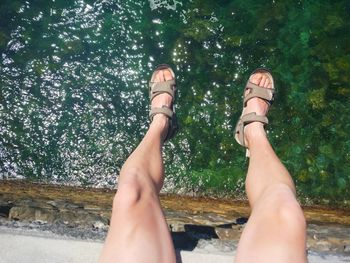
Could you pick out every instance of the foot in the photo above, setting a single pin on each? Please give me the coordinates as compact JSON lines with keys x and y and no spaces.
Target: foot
{"x":255,"y":130}
{"x":161,"y":100}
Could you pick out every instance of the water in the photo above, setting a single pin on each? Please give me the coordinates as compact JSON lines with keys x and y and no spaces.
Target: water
{"x":74,"y":102}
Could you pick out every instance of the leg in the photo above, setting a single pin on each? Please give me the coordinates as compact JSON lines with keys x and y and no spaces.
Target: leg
{"x":276,"y":230}
{"x":138,"y":231}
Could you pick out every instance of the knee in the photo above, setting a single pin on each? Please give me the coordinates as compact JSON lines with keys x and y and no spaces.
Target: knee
{"x":287,"y":211}
{"x":279,"y":205}
{"x":291,"y":215}
{"x":133,"y":188}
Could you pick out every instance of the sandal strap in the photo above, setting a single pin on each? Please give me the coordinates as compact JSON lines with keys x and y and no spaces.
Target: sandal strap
{"x":260,"y":92}
{"x":245,"y":120}
{"x":163,"y":110}
{"x":169,"y":87}
{"x":157,"y":88}
{"x":253,"y":117}
{"x":173,"y":124}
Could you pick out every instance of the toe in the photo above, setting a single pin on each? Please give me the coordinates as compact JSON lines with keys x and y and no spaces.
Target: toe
{"x":158,"y":76}
{"x":256,"y":78}
{"x":167,"y":75}
{"x":163,"y":75}
{"x":267,"y":82}
{"x":262,"y":81}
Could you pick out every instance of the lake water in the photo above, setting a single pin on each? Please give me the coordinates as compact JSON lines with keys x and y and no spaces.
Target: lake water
{"x":74,"y":102}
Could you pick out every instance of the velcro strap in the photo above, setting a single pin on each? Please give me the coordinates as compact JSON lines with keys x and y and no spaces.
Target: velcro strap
{"x":252,"y":117}
{"x":156,"y":88}
{"x":164,"y":110}
{"x":258,"y":92}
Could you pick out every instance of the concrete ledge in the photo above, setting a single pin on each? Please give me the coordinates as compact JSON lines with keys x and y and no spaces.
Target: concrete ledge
{"x":23,"y":246}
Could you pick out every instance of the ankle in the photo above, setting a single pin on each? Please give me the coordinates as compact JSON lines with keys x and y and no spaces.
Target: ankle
{"x":254,"y":132}
{"x":160,"y":122}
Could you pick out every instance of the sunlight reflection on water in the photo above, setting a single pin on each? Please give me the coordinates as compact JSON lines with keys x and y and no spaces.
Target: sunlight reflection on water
{"x":74,"y":101}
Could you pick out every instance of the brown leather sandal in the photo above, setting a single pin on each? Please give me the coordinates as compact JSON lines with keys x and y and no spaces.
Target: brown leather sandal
{"x":157,"y":88}
{"x":255,"y":91}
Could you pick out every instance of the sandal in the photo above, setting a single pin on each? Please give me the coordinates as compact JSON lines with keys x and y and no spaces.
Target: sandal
{"x":255,"y":91}
{"x":157,"y":88}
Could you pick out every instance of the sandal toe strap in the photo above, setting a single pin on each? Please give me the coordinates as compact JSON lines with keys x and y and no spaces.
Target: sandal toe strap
{"x":157,"y":88}
{"x":257,"y":91}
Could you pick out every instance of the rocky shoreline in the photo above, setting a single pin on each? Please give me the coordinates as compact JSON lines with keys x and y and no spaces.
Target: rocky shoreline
{"x":195,"y":223}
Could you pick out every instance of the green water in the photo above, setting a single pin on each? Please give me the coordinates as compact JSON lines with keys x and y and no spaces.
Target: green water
{"x":74,"y":103}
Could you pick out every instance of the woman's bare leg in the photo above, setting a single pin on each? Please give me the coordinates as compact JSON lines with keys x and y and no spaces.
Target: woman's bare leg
{"x":276,"y":229}
{"x":138,"y":231}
